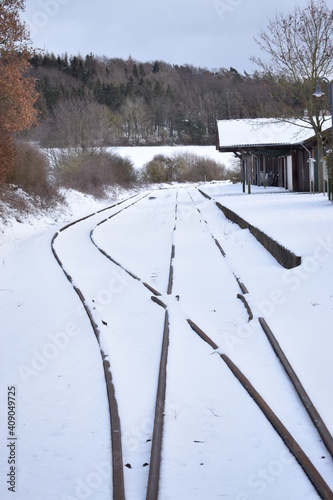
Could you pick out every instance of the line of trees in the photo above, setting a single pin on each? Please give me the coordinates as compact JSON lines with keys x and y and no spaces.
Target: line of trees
{"x":160,"y":103}
{"x":148,"y":103}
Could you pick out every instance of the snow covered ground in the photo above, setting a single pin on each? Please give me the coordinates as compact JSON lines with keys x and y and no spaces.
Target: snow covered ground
{"x":217,"y":444}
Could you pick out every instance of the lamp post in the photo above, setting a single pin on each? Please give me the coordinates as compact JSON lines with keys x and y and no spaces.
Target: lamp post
{"x":318,"y":93}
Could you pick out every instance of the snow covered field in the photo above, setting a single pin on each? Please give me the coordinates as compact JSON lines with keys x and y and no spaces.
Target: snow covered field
{"x":140,"y":155}
{"x":217,"y":444}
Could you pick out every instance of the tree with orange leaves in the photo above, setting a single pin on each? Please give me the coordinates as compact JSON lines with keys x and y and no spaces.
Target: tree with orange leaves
{"x":17,"y":90}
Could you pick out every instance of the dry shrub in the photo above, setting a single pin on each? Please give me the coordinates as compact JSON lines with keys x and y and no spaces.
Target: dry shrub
{"x":11,"y":199}
{"x":30,"y":172}
{"x":181,"y":168}
{"x":6,"y":155}
{"x":159,"y":169}
{"x":205,"y":169}
{"x":94,"y":172}
{"x":234,"y":171}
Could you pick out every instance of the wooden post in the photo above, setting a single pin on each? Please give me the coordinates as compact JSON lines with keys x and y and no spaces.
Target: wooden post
{"x":243,"y":171}
{"x":258,"y":171}
{"x":249,"y":161}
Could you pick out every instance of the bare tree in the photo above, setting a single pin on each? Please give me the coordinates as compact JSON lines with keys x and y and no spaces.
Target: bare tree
{"x":137,"y":119}
{"x":300,"y":51}
{"x":80,"y":125}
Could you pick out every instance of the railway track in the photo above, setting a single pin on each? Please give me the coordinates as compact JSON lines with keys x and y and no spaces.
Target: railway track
{"x":115,"y":426}
{"x":156,"y":447}
{"x":304,"y":397}
{"x":310,"y":470}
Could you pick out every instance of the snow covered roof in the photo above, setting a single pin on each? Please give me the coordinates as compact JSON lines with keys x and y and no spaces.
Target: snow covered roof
{"x":263,"y":132}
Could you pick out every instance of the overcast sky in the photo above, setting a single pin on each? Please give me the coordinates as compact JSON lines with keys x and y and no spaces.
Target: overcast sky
{"x":205,"y":33}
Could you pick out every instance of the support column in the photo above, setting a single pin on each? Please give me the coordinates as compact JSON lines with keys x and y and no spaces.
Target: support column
{"x":249,"y":161}
{"x":243,"y":171}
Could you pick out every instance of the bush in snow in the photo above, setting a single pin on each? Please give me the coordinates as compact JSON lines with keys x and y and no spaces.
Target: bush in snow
{"x":30,"y":172}
{"x":181,"y":168}
{"x":93,"y":172}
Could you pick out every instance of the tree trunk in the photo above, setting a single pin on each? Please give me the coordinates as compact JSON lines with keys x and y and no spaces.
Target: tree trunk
{"x":321,"y":187}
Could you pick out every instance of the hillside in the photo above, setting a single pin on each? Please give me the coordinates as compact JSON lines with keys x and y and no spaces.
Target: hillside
{"x":151,"y":102}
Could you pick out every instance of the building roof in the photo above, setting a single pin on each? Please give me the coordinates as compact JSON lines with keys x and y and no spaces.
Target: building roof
{"x":262,"y":133}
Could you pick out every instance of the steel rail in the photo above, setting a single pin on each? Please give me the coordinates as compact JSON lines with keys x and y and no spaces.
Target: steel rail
{"x":157,"y":438}
{"x":304,"y":397}
{"x":118,"y":486}
{"x":217,"y":243}
{"x":310,"y":470}
{"x":156,"y":448}
{"x":130,"y":273}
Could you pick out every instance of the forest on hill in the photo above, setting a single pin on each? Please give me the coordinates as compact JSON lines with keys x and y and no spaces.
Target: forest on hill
{"x":127,"y":102}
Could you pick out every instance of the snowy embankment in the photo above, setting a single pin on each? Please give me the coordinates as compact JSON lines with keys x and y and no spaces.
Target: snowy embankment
{"x":51,"y":357}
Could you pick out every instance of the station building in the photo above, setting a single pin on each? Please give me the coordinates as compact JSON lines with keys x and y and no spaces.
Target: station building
{"x":275,"y":152}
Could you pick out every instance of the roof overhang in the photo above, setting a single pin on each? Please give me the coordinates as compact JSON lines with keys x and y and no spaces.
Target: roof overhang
{"x":267,"y":149}
{"x":264,"y":136}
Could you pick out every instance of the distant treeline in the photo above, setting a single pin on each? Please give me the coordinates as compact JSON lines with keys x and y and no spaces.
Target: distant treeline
{"x":152,"y":102}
